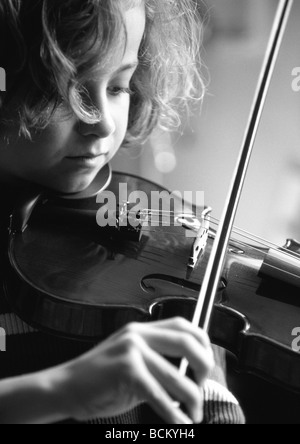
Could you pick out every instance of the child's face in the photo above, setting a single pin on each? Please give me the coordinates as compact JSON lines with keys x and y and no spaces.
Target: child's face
{"x":67,"y":156}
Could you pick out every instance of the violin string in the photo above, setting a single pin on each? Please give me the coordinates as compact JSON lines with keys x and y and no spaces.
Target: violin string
{"x":271,"y":266}
{"x":182,"y":235}
{"x":259,"y":240}
{"x":239,"y":242}
{"x":240,"y":232}
{"x":251,"y":237}
{"x":151,"y":230}
{"x":236,"y":230}
{"x":291,"y":274}
{"x":247,"y":235}
{"x":284,"y":251}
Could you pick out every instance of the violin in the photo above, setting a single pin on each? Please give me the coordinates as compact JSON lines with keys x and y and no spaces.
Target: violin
{"x":69,"y":277}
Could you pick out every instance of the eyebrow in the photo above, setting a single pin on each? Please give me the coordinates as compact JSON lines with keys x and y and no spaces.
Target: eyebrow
{"x":126,"y":67}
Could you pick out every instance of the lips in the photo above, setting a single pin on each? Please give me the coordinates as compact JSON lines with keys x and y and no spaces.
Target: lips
{"x":85,"y":156}
{"x":86,"y":161}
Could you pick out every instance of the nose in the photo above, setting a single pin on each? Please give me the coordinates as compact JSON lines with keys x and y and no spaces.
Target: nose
{"x":102,"y":129}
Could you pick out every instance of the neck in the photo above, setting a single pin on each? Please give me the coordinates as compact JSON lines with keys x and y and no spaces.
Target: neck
{"x":11,"y":182}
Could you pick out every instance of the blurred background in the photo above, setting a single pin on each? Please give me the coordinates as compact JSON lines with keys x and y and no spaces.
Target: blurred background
{"x":202,"y":157}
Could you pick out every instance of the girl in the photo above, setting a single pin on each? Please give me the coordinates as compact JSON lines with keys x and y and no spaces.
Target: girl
{"x":83,"y":78}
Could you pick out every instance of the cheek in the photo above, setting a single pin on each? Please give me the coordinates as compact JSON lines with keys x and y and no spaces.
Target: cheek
{"x":121,"y":114}
{"x":60,"y":131}
{"x":52,"y":143}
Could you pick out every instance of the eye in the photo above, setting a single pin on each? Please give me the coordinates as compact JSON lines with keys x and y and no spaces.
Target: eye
{"x":117,"y":90}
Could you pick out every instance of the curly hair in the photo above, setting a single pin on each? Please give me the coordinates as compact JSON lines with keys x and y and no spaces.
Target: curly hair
{"x":52,"y":47}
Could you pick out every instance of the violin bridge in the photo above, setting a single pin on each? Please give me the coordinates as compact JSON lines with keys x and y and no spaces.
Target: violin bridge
{"x":200,"y":242}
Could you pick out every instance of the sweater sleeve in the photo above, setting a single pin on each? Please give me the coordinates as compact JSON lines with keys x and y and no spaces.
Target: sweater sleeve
{"x":220,"y":405}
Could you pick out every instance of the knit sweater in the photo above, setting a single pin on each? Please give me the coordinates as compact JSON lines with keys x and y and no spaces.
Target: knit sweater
{"x":29,"y":350}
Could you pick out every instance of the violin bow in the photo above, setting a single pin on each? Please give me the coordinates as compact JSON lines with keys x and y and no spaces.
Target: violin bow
{"x":205,"y":304}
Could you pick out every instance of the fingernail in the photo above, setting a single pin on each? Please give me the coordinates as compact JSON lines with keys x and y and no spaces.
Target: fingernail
{"x":199,"y":417}
{"x":182,"y":418}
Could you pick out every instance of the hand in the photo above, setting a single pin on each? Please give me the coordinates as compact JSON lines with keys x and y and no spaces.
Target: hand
{"x":129,"y":368}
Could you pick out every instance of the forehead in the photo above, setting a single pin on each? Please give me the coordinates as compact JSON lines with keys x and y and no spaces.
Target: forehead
{"x":134,"y":19}
{"x":125,"y":50}
{"x":132,"y":3}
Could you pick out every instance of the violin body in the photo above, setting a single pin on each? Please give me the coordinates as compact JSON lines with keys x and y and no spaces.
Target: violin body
{"x":69,"y":277}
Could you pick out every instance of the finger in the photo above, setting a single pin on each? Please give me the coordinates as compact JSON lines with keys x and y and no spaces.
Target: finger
{"x":186,"y":346}
{"x":181,"y":388}
{"x":159,"y":400}
{"x":179,"y":345}
{"x":181,"y":324}
{"x":146,"y":386}
{"x":175,"y":324}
